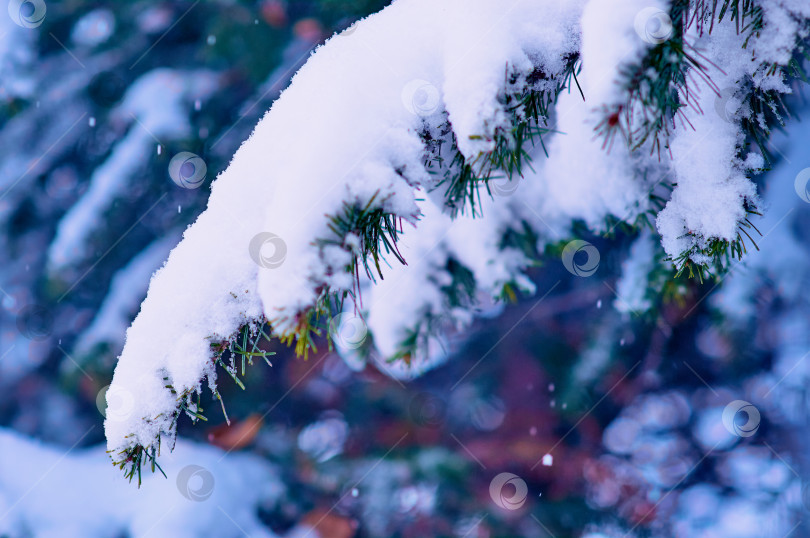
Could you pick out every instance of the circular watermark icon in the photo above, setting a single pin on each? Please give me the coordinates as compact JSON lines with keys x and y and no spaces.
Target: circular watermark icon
{"x":35,"y":322}
{"x":116,"y":404}
{"x":741,"y":418}
{"x":348,"y":331}
{"x":421,"y":98}
{"x":27,"y":13}
{"x":195,"y":483}
{"x":187,"y":170}
{"x":724,"y":104}
{"x":501,"y":497}
{"x":802,"y":185}
{"x":324,"y":439}
{"x":585,"y":267}
{"x":503,"y":186}
{"x":106,"y":89}
{"x":653,"y":25}
{"x":428,"y":410}
{"x":268,"y":250}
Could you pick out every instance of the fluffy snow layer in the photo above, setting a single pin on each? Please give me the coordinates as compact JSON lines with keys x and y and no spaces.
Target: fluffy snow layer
{"x":52,"y":492}
{"x":708,"y":201}
{"x":348,"y":133}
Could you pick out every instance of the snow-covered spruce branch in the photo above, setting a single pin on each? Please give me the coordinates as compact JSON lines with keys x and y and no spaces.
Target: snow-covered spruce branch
{"x":734,"y":53}
{"x":453,"y":137}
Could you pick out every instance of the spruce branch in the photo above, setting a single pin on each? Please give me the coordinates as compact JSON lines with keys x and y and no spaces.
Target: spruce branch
{"x":746,"y":14}
{"x":377,"y":230}
{"x":714,"y":259}
{"x":528,"y":106}
{"x":657,"y":88}
{"x":244,"y":346}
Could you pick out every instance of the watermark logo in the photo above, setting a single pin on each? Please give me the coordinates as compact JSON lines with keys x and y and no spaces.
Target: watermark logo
{"x":502,"y":498}
{"x":116,"y":404}
{"x":585,"y":267}
{"x":741,"y":418}
{"x":802,"y":185}
{"x":35,"y":322}
{"x":428,"y":410}
{"x":195,"y":483}
{"x":324,"y":439}
{"x":27,"y":13}
{"x":503,"y":186}
{"x":106,"y":89}
{"x":187,"y":170}
{"x":421,"y":98}
{"x":653,"y":25}
{"x":268,"y":250}
{"x":348,"y":331}
{"x":725,"y":105}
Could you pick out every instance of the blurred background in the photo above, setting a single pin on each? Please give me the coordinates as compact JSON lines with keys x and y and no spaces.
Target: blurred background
{"x":681,"y":411}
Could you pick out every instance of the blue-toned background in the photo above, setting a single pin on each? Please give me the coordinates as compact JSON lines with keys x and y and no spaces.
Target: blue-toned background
{"x":612,"y":421}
